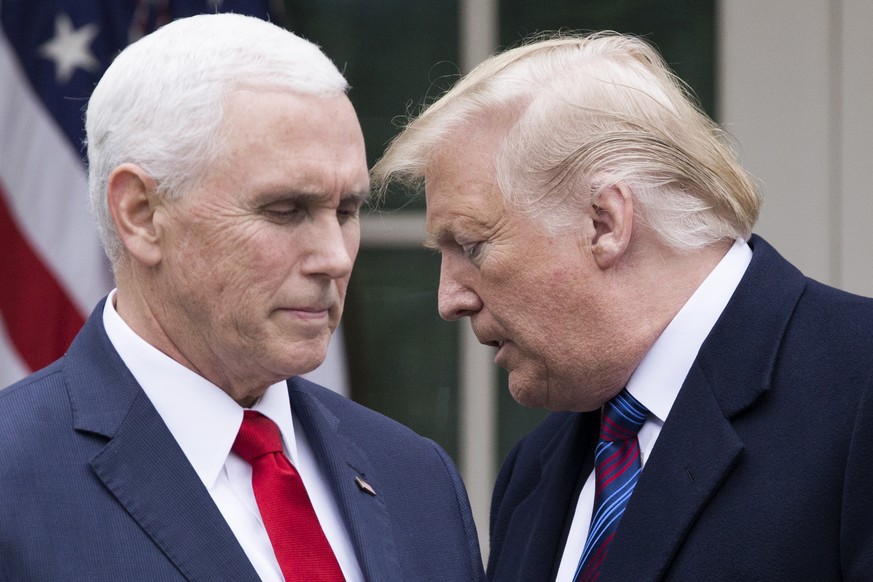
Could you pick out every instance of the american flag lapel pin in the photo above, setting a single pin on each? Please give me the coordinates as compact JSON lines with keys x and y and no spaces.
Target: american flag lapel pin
{"x":364,"y":486}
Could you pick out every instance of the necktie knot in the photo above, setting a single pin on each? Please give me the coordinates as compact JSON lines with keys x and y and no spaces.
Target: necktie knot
{"x":257,"y":436}
{"x":622,"y":418}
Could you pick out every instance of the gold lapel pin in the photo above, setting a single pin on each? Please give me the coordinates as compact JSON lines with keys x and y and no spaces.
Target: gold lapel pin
{"x":364,"y":486}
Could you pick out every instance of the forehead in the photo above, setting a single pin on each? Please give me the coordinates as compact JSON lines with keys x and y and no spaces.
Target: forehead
{"x":461,"y":186}
{"x":276,"y":137}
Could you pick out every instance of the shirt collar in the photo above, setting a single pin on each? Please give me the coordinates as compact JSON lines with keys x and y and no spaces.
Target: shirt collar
{"x":202,"y":417}
{"x":659,"y":377}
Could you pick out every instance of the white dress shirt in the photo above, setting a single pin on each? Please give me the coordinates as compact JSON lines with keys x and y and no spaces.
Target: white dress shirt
{"x":204,"y":420}
{"x":657,"y":380}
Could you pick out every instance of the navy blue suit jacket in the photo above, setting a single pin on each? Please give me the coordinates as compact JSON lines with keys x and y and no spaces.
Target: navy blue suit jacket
{"x":94,"y":487}
{"x":763,"y":470}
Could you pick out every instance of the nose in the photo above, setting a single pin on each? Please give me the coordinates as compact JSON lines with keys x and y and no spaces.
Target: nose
{"x":456,"y":299}
{"x":333,"y":248}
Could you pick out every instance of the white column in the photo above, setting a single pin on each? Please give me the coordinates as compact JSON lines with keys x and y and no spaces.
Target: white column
{"x":776,"y":97}
{"x":856,"y":152}
{"x":478,"y":376}
{"x":795,"y":92}
{"x":478,"y":426}
{"x":478,"y":22}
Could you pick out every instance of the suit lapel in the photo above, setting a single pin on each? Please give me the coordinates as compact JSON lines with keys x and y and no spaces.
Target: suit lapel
{"x":695,"y":452}
{"x":144,"y":467}
{"x":535,"y":532}
{"x":698,"y":446}
{"x":342,"y":461}
{"x":149,"y":474}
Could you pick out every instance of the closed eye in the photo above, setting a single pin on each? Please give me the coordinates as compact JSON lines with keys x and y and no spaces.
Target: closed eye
{"x":473,"y":251}
{"x":348,"y":211}
{"x":283,"y":215}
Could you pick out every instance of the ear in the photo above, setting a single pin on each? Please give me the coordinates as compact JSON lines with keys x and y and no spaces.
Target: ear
{"x":132,"y":198}
{"x":612,"y":214}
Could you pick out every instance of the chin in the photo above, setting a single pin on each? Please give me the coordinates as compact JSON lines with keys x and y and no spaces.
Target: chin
{"x":300,"y":367}
{"x":539,"y":392}
{"x":528,"y":394}
{"x":297,"y":364}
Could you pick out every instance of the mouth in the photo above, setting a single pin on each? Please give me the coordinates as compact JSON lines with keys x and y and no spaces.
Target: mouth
{"x":308,"y":313}
{"x":494,"y":343}
{"x":501,"y":358}
{"x":490,"y":338}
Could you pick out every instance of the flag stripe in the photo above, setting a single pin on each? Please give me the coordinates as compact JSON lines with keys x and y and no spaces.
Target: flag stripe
{"x":47,"y":191}
{"x":12,"y":367}
{"x":31,"y":301}
{"x":52,"y":268}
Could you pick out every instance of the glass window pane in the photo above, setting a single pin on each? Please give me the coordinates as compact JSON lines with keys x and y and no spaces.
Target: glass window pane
{"x":683,"y":30}
{"x":402,"y":357}
{"x":394,"y":53}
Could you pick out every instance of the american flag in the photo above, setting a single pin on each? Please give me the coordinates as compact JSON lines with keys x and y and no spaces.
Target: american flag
{"x":52,"y":268}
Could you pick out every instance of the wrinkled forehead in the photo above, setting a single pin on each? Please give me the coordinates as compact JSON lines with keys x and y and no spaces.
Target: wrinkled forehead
{"x":460,"y":181}
{"x":472,"y":141}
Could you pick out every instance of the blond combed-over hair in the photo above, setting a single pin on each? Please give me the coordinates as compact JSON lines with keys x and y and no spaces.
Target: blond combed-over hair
{"x":584,"y":113}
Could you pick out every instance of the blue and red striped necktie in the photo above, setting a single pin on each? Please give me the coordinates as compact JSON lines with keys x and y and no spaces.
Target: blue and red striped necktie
{"x":617,"y":469}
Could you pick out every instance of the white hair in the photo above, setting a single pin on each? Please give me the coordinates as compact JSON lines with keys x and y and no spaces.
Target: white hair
{"x":160,"y":105}
{"x":585,"y":113}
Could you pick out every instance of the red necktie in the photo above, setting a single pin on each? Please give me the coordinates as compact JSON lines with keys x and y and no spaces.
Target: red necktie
{"x":298,"y":541}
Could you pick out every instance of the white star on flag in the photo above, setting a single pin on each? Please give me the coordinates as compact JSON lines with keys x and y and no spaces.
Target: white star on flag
{"x":70,"y":48}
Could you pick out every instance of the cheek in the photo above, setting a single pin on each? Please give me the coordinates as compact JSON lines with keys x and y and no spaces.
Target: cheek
{"x":265,"y":252}
{"x":244,"y":271}
{"x":541,"y":307}
{"x":560,"y":277}
{"x":352,"y":239}
{"x":191,"y":266}
{"x":342,"y":286}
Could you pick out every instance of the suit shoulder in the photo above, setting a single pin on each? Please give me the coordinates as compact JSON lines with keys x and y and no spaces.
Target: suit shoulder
{"x":538,"y":442}
{"x":33,"y":411}
{"x":37,"y":390}
{"x":553,"y":425}
{"x":359,"y":419}
{"x":841,"y":302}
{"x":35,"y":378}
{"x":836,"y":321}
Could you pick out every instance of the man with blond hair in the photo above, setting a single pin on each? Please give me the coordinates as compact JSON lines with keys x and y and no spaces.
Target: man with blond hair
{"x":713,"y":407}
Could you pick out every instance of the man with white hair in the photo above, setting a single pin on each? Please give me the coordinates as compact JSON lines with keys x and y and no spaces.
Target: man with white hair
{"x":713,"y":407}
{"x":175,"y":440}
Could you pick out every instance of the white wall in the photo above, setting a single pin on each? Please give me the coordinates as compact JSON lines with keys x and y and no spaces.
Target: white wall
{"x":794,"y":90}
{"x":856,"y":163}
